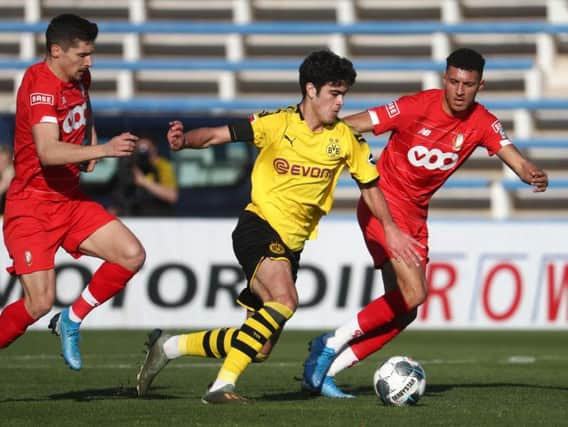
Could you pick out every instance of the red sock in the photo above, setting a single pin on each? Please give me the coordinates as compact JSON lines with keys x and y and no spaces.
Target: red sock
{"x":107,"y":281}
{"x":382,"y":311}
{"x":14,"y":321}
{"x":368,"y":344}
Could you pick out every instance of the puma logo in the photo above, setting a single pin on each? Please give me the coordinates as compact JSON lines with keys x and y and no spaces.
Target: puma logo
{"x":290,"y":140}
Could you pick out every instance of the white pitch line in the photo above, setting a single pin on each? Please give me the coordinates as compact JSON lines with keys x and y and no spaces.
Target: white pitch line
{"x":176,"y":365}
{"x":34,"y":361}
{"x":448,"y":362}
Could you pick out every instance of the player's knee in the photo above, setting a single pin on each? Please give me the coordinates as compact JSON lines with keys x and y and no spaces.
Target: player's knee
{"x":415,"y":294}
{"x":40,"y":306}
{"x":134,"y":256}
{"x":420,"y":296}
{"x":289,"y":300}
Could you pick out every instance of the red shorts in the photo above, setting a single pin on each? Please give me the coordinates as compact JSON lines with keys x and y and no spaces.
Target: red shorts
{"x":35,"y":229}
{"x":407,"y":218}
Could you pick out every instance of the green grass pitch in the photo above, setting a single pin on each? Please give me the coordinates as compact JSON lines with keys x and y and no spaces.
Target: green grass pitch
{"x":475,"y":378}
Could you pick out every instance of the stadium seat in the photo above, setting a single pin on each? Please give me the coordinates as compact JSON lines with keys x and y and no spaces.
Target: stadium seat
{"x":238,"y":56}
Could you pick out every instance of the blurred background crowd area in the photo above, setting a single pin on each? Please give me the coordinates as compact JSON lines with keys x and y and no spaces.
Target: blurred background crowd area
{"x":205,"y":62}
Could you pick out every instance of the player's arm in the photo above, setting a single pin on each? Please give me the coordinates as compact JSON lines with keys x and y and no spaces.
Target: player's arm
{"x":51,"y":151}
{"x":401,"y":245}
{"x":361,"y":122}
{"x":524,"y":168}
{"x":238,"y":130}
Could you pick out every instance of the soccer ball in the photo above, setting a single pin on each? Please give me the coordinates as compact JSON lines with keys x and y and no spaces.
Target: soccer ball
{"x":400,"y":381}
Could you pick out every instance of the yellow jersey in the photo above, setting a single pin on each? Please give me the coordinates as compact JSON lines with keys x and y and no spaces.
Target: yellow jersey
{"x":296,"y":171}
{"x":165,"y":170}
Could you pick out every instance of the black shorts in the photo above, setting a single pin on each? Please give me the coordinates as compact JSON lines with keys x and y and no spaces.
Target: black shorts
{"x":253,"y":240}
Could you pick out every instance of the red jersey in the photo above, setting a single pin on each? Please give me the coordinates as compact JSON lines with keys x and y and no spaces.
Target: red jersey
{"x":44,"y":98}
{"x":427,"y":145}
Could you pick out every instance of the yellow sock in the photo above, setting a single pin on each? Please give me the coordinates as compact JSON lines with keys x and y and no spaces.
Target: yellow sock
{"x":252,"y":335}
{"x":214,"y":343}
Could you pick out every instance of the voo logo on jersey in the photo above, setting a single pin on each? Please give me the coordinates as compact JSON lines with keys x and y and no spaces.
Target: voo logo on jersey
{"x":75,"y":118}
{"x":435,"y":158}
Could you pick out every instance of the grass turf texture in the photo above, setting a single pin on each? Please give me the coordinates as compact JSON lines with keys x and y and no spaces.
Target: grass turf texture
{"x":500,"y":378}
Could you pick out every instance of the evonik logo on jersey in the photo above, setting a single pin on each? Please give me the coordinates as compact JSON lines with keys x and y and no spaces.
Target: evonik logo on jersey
{"x":75,"y":118}
{"x":435,"y":158}
{"x":283,"y":167}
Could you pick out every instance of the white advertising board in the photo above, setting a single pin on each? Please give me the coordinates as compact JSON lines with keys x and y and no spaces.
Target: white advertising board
{"x":483,"y":275}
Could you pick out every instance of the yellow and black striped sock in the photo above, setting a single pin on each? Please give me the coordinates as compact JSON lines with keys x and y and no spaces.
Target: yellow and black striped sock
{"x":253,"y":334}
{"x":211,"y":343}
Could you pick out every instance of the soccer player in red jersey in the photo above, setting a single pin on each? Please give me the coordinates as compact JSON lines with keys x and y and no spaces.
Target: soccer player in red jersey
{"x":45,"y":208}
{"x":432,"y":133}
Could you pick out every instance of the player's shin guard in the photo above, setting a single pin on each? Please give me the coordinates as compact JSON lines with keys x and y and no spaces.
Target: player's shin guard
{"x":107,"y":281}
{"x":14,"y":321}
{"x":253,"y":334}
{"x":382,"y":311}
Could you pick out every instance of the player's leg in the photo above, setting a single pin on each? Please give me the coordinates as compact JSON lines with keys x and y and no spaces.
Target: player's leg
{"x":406,"y":291}
{"x":388,"y":314}
{"x":123,"y":255}
{"x":31,"y":237}
{"x":274,"y":284}
{"x":362,"y":347}
{"x":93,"y":231}
{"x":216,"y":343}
{"x":271,"y":270}
{"x":162,"y":347}
{"x":211,"y":343}
{"x":405,"y":287}
{"x":39,"y":294}
{"x":366,"y":344}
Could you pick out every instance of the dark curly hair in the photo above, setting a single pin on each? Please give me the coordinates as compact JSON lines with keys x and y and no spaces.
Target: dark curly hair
{"x":67,"y":29}
{"x":466,"y":59}
{"x":323,"y":67}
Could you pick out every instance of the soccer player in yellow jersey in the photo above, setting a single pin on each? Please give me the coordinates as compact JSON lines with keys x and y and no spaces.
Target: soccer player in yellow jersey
{"x":302,"y":151}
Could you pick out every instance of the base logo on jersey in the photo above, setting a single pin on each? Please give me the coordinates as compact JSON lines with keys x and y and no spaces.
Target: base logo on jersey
{"x":498,"y":128}
{"x":276,"y":248}
{"x":333,"y":149}
{"x":392,"y":109}
{"x":458,"y":142}
{"x":41,"y":98}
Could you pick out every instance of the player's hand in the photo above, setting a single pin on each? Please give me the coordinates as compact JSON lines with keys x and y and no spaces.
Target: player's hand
{"x":402,"y":246}
{"x":121,"y":145}
{"x":538,"y":179}
{"x":176,"y":135}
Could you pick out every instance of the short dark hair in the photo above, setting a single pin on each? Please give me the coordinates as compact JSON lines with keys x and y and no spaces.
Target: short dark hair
{"x":67,"y":29}
{"x":323,"y":67}
{"x":466,"y":59}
